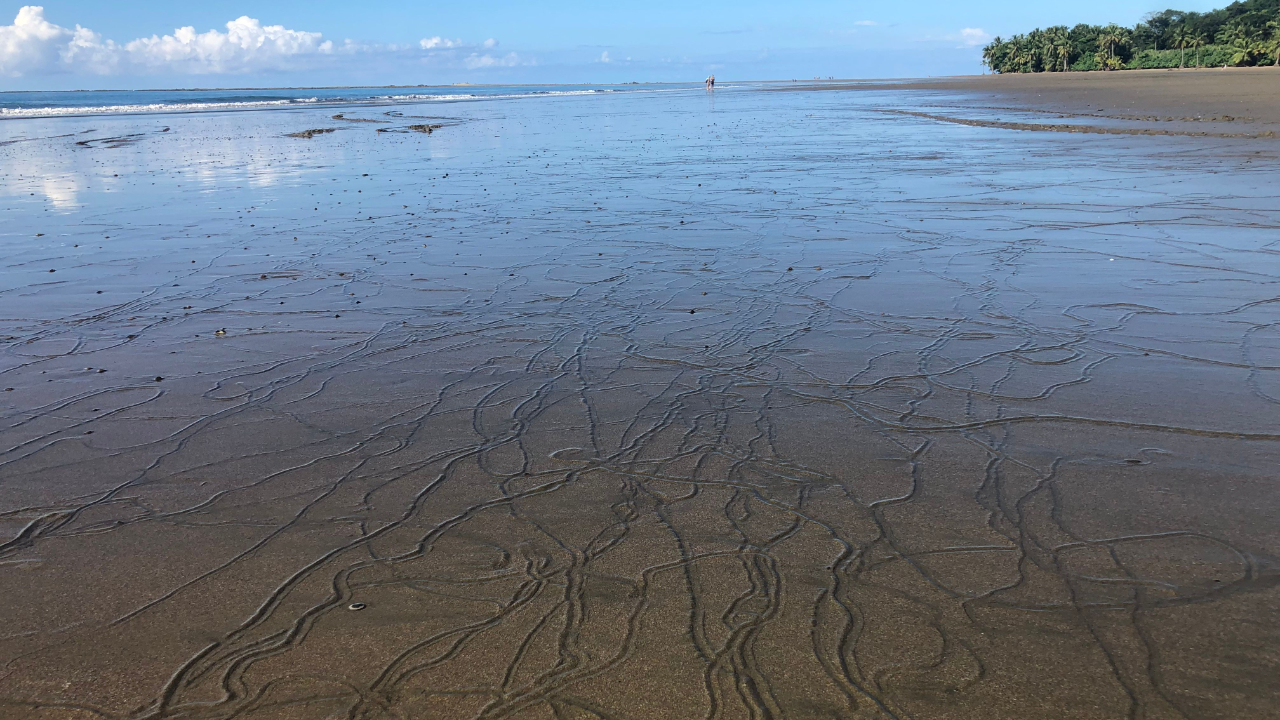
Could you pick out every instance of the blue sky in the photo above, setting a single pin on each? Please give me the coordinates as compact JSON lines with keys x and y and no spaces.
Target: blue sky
{"x":91,"y":43}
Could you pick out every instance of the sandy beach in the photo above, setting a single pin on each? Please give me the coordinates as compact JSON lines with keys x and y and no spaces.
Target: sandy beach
{"x":1247,"y":94}
{"x":850,"y":401}
{"x":1196,"y":102}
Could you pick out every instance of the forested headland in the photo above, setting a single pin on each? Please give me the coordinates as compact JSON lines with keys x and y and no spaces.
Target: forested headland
{"x":1242,"y":34}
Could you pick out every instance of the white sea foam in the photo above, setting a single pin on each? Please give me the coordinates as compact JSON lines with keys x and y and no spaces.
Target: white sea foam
{"x":56,"y":111}
{"x":147,"y":108}
{"x":507,"y":96}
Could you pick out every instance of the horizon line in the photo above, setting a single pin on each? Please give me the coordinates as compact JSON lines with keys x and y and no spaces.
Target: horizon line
{"x":488,"y":85}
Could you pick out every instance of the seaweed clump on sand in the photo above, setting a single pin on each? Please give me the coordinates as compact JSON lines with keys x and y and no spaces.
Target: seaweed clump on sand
{"x":428,"y":129}
{"x":308,"y":134}
{"x":112,"y":142}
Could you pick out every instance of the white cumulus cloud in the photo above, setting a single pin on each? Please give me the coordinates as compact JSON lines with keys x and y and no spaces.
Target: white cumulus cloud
{"x":973,"y":37}
{"x":246,"y":45}
{"x":476,"y":61}
{"x":438,"y":43}
{"x":34,"y":45}
{"x":31,"y":42}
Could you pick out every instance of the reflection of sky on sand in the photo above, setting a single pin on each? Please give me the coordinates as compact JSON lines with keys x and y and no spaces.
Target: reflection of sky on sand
{"x":60,"y":190}
{"x":208,"y":149}
{"x":87,"y":164}
{"x":80,"y":166}
{"x":49,"y":173}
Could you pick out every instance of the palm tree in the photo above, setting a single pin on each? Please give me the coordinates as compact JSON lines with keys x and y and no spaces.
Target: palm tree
{"x":1112,"y":37}
{"x":1057,"y":48}
{"x":1038,"y":47}
{"x":1181,"y":39}
{"x":1272,"y":47}
{"x":1021,"y":56}
{"x":1198,"y":41}
{"x":1273,"y":44}
{"x":1243,"y":50}
{"x":991,"y":54}
{"x":1024,"y":60}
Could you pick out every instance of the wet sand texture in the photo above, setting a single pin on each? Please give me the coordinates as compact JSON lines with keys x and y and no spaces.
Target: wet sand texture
{"x":1233,"y":103}
{"x":760,"y":405}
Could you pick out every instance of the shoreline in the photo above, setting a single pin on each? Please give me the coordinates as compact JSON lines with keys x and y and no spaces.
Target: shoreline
{"x":801,"y":84}
{"x":1189,"y":95}
{"x":349,"y":87}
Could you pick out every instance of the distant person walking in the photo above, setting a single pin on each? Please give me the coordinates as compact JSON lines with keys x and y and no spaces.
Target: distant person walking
{"x":711,"y":83}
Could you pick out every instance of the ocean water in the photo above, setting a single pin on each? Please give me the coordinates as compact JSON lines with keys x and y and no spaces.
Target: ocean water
{"x":101,"y":102}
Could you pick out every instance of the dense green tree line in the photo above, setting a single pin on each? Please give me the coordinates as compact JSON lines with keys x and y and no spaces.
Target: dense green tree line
{"x":1241,"y":34}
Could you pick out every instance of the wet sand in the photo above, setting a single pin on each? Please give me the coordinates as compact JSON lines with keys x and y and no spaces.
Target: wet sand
{"x":759,"y":405}
{"x":1210,"y":101}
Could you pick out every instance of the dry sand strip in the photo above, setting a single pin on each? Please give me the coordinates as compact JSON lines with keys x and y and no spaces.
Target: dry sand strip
{"x":1076,"y":128}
